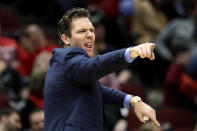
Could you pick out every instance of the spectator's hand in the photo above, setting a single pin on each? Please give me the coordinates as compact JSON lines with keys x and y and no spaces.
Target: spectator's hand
{"x":142,"y":110}
{"x":144,"y":51}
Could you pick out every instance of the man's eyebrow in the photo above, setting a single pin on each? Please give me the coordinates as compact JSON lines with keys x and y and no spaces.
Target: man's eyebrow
{"x":82,"y":28}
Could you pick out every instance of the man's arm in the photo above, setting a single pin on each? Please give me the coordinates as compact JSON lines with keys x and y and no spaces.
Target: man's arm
{"x":121,"y":99}
{"x":83,"y":69}
{"x":80,"y":68}
{"x":112,"y":96}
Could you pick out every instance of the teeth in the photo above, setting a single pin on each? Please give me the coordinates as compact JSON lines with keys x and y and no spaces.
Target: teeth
{"x":89,"y":45}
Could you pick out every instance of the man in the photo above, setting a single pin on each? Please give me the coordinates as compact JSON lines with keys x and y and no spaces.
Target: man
{"x":34,"y":42}
{"x":180,"y":31}
{"x":73,"y":96}
{"x":36,"y":120}
{"x":9,"y":120}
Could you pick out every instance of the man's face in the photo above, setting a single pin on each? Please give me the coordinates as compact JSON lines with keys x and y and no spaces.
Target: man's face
{"x":14,"y":122}
{"x":36,"y":34}
{"x":37,"y":121}
{"x":27,"y":44}
{"x":82,"y":34}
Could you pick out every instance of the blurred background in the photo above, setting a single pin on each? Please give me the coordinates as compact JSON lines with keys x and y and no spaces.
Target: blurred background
{"x":169,"y":83}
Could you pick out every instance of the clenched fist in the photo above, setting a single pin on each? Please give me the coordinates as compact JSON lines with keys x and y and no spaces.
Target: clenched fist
{"x":143,"y":51}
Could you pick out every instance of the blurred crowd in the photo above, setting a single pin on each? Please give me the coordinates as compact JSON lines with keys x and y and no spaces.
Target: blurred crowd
{"x":169,"y":83}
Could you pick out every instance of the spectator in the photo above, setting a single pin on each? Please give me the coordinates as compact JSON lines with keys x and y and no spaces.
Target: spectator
{"x":148,"y":20}
{"x":173,"y":96}
{"x":38,"y":39}
{"x":10,"y":120}
{"x":35,"y":99}
{"x":34,"y":42}
{"x":9,"y":50}
{"x":36,"y":119}
{"x":37,"y":79}
{"x":15,"y":55}
{"x":10,"y":80}
{"x":189,"y":83}
{"x":179,"y":32}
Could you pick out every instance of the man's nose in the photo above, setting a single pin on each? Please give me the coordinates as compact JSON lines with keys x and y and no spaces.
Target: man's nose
{"x":90,"y":34}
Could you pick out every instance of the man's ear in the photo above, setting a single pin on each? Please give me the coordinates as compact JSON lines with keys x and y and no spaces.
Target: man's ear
{"x":65,"y":39}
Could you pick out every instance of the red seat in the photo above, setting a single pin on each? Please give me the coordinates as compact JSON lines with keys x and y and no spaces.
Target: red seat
{"x":133,"y":89}
{"x":180,"y":119}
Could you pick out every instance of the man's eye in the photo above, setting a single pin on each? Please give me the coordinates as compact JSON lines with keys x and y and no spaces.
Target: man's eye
{"x":81,"y":31}
{"x":92,"y":30}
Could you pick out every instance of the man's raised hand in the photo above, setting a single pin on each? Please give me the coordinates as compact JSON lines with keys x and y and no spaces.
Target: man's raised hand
{"x":143,"y":51}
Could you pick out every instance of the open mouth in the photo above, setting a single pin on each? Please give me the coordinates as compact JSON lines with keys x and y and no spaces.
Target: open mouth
{"x":88,"y":45}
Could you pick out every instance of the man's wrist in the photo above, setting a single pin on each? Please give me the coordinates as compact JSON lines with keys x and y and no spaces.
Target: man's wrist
{"x":127,"y":55}
{"x":133,"y":53}
{"x":134,"y":100}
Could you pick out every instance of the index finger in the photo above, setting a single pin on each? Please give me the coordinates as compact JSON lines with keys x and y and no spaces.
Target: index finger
{"x":153,"y":118}
{"x":156,"y":122}
{"x":152,"y":46}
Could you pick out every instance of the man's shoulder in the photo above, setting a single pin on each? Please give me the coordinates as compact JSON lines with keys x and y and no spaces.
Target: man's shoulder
{"x":61,"y":54}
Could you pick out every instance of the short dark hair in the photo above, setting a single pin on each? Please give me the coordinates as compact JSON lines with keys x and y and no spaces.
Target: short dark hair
{"x":35,"y":110}
{"x":7,"y":112}
{"x":65,"y":22}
